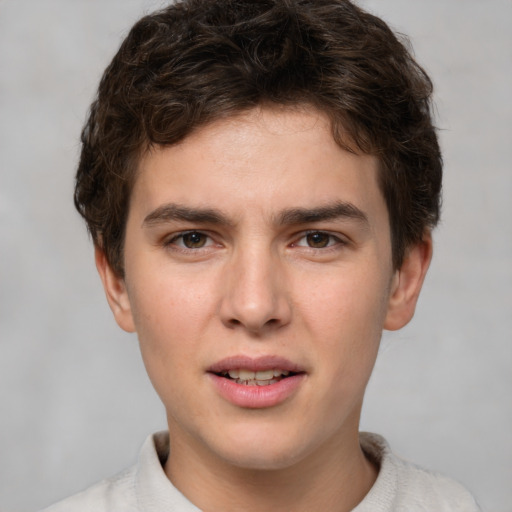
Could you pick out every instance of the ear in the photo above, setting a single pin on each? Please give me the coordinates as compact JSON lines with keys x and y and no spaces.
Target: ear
{"x":115,"y":290}
{"x":407,"y":283}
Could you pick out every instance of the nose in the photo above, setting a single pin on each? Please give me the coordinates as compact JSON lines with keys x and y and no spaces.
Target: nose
{"x":256,"y":295}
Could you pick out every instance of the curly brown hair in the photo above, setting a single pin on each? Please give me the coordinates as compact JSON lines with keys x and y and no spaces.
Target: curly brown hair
{"x":200,"y":60}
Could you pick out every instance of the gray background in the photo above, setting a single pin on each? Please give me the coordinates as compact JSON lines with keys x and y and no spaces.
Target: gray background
{"x":75,"y":403}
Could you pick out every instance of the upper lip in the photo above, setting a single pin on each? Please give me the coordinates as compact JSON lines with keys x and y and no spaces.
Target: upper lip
{"x":254,"y":364}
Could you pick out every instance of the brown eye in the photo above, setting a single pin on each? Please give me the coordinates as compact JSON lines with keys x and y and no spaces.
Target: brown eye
{"x":194,"y":240}
{"x":318,"y":240}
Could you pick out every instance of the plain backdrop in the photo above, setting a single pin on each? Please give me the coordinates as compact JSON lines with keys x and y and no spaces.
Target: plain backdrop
{"x":75,"y":402}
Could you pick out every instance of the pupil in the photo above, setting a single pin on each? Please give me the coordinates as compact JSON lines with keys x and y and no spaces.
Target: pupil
{"x":194,"y":240}
{"x":318,"y":240}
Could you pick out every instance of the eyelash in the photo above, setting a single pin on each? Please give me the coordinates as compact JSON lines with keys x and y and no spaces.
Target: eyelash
{"x":333,"y":241}
{"x":181,"y":236}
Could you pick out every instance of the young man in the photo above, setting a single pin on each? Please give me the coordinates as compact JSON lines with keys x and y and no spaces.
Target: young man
{"x":260,"y":180}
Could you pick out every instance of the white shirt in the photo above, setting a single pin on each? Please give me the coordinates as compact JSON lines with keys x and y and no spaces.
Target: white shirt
{"x":400,"y":486}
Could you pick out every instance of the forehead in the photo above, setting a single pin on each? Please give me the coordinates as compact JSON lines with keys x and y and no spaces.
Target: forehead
{"x":260,"y":161}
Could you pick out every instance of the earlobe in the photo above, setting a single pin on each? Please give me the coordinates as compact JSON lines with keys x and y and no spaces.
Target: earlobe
{"x":407,"y":283}
{"x":115,"y":290}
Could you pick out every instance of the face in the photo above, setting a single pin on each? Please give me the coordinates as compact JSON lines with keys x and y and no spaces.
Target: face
{"x":258,"y":277}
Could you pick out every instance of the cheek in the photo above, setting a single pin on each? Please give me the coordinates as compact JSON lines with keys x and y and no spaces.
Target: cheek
{"x":166,"y":303}
{"x":345,"y":315}
{"x":166,"y":343}
{"x":346,"y":300}
{"x":168,"y":319}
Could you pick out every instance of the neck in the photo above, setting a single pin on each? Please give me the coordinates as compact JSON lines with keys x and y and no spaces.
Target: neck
{"x":336,"y":477}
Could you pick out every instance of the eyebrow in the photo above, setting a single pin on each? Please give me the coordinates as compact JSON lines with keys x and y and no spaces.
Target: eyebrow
{"x":170,"y":212}
{"x":334,"y":211}
{"x":176,"y":212}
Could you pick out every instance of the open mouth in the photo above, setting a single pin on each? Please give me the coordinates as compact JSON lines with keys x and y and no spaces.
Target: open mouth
{"x":256,"y":382}
{"x":255,"y":378}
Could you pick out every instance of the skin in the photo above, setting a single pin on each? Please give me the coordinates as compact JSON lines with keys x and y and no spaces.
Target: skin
{"x":260,"y":278}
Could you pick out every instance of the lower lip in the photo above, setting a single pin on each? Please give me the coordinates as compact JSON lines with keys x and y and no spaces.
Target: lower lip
{"x":257,"y":397}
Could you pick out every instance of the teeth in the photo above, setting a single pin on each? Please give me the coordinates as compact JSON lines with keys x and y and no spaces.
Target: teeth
{"x":254,"y":382}
{"x":246,"y":375}
{"x":234,"y":374}
{"x":262,"y":376}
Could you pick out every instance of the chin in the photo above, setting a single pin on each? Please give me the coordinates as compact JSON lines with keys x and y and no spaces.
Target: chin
{"x":255,"y":449}
{"x":264,"y":460}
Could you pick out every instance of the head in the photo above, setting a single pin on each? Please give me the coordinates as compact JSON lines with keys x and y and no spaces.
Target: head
{"x":260,"y":179}
{"x":200,"y":61}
